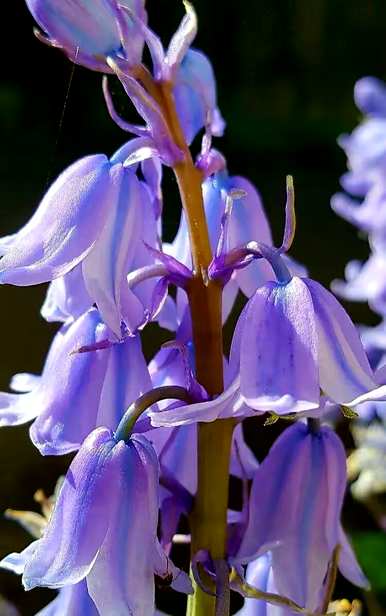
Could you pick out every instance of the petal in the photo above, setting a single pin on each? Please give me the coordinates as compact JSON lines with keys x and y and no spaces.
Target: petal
{"x":72,"y":600}
{"x":16,"y":562}
{"x":24,"y":382}
{"x":370,"y":96}
{"x":300,"y":563}
{"x":273,"y":492}
{"x":87,"y":24}
{"x":344,"y":369}
{"x":195,"y":93}
{"x":179,"y":457}
{"x":300,"y":551}
{"x":66,"y":297}
{"x":348,"y":564}
{"x":127,"y":378}
{"x":249,"y":222}
{"x":227,"y":404}
{"x":335,"y":457}
{"x":78,"y":525}
{"x":257,"y":575}
{"x":125,"y":561}
{"x":65,"y":225}
{"x":243,"y":462}
{"x":105,"y":268}
{"x":183,"y":37}
{"x":16,"y":409}
{"x":68,"y":396}
{"x":278,"y":354}
{"x":165,"y":568}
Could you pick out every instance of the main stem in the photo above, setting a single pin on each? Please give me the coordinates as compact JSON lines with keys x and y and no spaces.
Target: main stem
{"x":208,"y":520}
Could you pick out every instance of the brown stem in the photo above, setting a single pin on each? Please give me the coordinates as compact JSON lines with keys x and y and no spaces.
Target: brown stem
{"x":208,"y":520}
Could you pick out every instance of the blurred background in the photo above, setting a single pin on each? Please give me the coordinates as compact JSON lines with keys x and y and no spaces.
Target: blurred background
{"x":285,"y":73}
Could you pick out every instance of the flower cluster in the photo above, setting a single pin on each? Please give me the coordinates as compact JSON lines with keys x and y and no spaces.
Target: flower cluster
{"x":155,"y":442}
{"x":365,"y":181}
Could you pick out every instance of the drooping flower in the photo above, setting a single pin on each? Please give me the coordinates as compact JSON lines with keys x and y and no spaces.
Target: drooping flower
{"x":93,"y":216}
{"x":77,"y":391}
{"x":88,"y":31}
{"x":195,"y":96}
{"x":294,"y":339}
{"x":248,"y":221}
{"x":304,"y":475}
{"x":104,"y":529}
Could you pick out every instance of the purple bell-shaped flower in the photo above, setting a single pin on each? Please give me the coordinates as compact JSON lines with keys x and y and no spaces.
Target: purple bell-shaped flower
{"x":77,"y":391}
{"x":294,"y":511}
{"x":90,"y":30}
{"x":95,"y":216}
{"x":104,"y":529}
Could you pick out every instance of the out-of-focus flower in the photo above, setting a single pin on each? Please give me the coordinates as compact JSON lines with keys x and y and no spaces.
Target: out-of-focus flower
{"x":367,"y":463}
{"x":90,"y":30}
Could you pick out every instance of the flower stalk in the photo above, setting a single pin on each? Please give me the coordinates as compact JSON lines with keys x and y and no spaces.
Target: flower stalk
{"x":208,"y":519}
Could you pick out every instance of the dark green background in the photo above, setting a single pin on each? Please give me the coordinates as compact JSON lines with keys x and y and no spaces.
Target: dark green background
{"x":285,"y":73}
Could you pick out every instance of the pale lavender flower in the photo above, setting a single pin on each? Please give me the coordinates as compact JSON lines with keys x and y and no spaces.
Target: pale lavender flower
{"x":366,"y":154}
{"x":195,"y":96}
{"x":247,"y":221}
{"x":89,"y":31}
{"x":93,"y":215}
{"x":303,"y":341}
{"x":104,"y":529}
{"x":304,"y":475}
{"x":77,"y":391}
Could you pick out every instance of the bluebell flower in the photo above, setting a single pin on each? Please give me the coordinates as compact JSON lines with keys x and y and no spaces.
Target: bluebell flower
{"x":89,"y":31}
{"x":104,"y":529}
{"x":248,"y":221}
{"x":77,"y":391}
{"x":366,"y":153}
{"x":95,"y":215}
{"x":303,"y":342}
{"x":304,"y":475}
{"x":195,"y":96}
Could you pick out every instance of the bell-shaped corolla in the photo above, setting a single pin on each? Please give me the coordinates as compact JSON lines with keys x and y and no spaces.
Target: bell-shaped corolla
{"x":67,"y":297}
{"x":104,"y":529}
{"x":195,"y":96}
{"x":294,"y":340}
{"x":71,"y":601}
{"x":77,"y":391}
{"x":90,"y":30}
{"x":294,"y":512}
{"x":94,"y":215}
{"x":247,"y":222}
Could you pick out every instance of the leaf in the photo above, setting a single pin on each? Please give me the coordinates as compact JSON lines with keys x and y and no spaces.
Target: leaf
{"x":370,"y":548}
